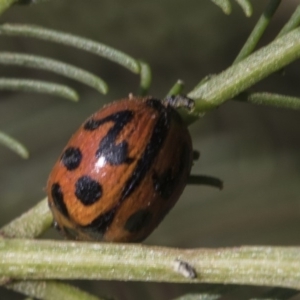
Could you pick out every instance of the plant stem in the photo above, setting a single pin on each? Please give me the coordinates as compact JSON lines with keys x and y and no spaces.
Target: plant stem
{"x":270,"y":99}
{"x":292,"y":23}
{"x":39,"y":62}
{"x":176,"y":89}
{"x":209,"y":292}
{"x":224,"y":5}
{"x":50,"y":290}
{"x":246,"y":7}
{"x":277,"y":294}
{"x":31,"y":224}
{"x":146,"y":78}
{"x":237,"y":78}
{"x":258,"y":30}
{"x":42,"y":259}
{"x":74,"y":41}
{"x":38,"y":86}
{"x":13,"y":145}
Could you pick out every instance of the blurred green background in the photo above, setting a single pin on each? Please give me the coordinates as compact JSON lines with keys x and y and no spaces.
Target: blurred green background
{"x":254,"y":150}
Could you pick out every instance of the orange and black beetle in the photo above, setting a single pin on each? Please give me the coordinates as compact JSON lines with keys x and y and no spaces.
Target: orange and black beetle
{"x":122,"y":171}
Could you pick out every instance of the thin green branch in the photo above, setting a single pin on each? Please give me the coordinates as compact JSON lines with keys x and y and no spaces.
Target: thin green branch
{"x":176,"y":89}
{"x":258,"y":30}
{"x":31,"y":224}
{"x":246,"y":73}
{"x":26,"y":85}
{"x":146,"y":78}
{"x":277,"y":294}
{"x":38,"y":62}
{"x":208,"y":292}
{"x":50,"y":290}
{"x":246,"y":7}
{"x":13,"y":144}
{"x":225,"y":5}
{"x":42,"y":259}
{"x":5,"y":4}
{"x":269,"y":99}
{"x":74,"y":41}
{"x":292,"y":23}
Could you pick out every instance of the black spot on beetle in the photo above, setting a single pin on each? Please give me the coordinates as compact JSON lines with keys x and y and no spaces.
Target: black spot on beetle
{"x":88,"y":190}
{"x":138,"y":221}
{"x":91,"y":125}
{"x":99,"y":225}
{"x":71,"y":158}
{"x":115,"y":154}
{"x":58,"y":199}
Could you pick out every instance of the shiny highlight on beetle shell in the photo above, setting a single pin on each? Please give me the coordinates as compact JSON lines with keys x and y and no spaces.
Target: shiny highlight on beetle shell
{"x":121,"y":172}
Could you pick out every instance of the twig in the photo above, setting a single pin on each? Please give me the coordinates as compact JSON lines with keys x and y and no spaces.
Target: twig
{"x":146,"y":78}
{"x":74,"y":41}
{"x":31,"y":224}
{"x":270,"y":99}
{"x":39,"y":62}
{"x":42,"y":259}
{"x":13,"y":144}
{"x":292,"y":23}
{"x":50,"y":290}
{"x":27,"y":85}
{"x":246,"y":73}
{"x":258,"y":30}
